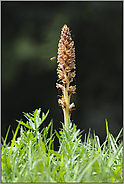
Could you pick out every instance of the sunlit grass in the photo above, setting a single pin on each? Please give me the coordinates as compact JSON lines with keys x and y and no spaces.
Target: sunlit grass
{"x":32,"y":158}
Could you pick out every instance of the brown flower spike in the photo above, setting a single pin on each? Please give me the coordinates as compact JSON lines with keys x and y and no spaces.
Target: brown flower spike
{"x":65,"y":71}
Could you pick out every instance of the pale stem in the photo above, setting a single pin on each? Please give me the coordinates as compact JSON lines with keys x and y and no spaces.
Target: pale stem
{"x":67,"y":99}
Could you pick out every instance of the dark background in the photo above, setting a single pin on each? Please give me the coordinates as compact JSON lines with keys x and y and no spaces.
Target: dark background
{"x":30,"y":35}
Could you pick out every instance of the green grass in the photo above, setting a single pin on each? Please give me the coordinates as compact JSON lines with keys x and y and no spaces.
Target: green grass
{"x":32,"y":158}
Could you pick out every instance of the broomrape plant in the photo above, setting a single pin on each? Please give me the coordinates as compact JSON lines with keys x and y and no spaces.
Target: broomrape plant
{"x":66,"y":71}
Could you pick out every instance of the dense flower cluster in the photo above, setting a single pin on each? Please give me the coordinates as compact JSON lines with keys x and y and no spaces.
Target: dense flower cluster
{"x":65,"y":71}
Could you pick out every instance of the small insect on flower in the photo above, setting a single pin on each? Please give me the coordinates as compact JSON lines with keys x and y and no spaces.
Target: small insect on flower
{"x":52,"y":58}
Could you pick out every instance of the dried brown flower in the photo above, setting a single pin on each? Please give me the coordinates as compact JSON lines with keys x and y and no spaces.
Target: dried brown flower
{"x":66,"y":71}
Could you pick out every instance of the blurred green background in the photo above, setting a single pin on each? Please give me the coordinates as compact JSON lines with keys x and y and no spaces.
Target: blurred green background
{"x":30,"y":35}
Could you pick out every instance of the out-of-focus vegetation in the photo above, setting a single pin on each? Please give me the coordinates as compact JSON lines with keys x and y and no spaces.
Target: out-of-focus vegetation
{"x":30,"y":34}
